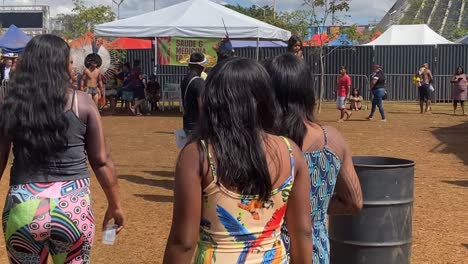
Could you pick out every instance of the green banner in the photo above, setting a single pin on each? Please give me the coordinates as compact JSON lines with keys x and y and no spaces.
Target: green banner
{"x":176,"y":51}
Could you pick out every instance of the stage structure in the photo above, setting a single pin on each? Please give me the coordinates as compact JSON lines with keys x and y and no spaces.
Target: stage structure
{"x":31,"y":19}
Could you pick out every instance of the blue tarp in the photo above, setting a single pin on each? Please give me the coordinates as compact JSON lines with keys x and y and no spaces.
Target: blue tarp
{"x":253,"y":43}
{"x":462,"y":40}
{"x":341,"y":40}
{"x":14,"y":40}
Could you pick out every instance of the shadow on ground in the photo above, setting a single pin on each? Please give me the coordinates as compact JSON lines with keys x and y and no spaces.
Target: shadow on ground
{"x":453,"y":140}
{"x":166,"y":174}
{"x":166,"y":184}
{"x":125,"y":113}
{"x":458,"y":183}
{"x":164,"y":132}
{"x":156,"y":198}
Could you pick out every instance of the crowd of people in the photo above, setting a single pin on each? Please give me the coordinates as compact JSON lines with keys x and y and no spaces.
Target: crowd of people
{"x":254,"y":181}
{"x":254,"y":146}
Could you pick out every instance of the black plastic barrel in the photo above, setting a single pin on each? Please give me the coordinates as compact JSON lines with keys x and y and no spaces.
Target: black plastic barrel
{"x":382,"y":232}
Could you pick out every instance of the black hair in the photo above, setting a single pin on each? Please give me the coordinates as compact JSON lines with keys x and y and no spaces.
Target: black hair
{"x":224,"y":54}
{"x":33,"y":111}
{"x":342,"y":67}
{"x":462,"y":70}
{"x":292,"y":41}
{"x":358,"y":92}
{"x":136,"y":63}
{"x":237,"y":109}
{"x":292,"y":83}
{"x":93,"y":58}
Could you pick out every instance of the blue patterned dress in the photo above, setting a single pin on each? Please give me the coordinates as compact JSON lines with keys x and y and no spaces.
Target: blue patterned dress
{"x":324,"y":166}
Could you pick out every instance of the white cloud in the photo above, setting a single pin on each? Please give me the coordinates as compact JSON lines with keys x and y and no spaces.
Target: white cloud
{"x":361,"y":11}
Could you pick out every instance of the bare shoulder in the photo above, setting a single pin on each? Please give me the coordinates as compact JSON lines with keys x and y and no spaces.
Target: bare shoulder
{"x":189,"y":159}
{"x":281,"y":143}
{"x":333,"y":134}
{"x":86,"y":105}
{"x":191,"y":150}
{"x":336,"y":142}
{"x":83,"y":98}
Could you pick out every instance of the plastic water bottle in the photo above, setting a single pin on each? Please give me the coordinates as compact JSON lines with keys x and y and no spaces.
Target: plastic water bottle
{"x":108,"y":234}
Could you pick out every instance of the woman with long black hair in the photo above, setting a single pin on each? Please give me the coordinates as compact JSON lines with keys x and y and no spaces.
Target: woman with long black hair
{"x":334,"y":185}
{"x":295,"y":46}
{"x":236,"y":182}
{"x":54,"y":129}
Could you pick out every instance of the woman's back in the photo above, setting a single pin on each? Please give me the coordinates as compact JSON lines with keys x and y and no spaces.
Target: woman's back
{"x":324,"y":165}
{"x":324,"y":161}
{"x":69,"y":164}
{"x":255,"y":182}
{"x":243,"y":228}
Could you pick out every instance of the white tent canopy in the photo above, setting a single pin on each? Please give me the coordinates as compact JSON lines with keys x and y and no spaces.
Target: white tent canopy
{"x":409,"y":35}
{"x":193,"y":18}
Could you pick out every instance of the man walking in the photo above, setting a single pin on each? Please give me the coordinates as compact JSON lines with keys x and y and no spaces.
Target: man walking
{"x":342,"y":92}
{"x":424,"y":90}
{"x":191,"y":88}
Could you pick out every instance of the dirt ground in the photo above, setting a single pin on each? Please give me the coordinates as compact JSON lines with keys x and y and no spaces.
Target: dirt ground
{"x":144,"y":153}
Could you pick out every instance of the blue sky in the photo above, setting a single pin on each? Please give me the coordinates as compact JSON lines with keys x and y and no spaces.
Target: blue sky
{"x":361,"y":12}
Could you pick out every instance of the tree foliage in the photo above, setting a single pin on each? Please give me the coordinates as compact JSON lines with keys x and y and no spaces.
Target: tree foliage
{"x":323,"y":12}
{"x":458,"y":33}
{"x":362,"y":37}
{"x":83,"y":19}
{"x":297,"y":21}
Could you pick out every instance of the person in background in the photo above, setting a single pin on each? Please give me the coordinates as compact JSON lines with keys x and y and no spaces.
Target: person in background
{"x":335,"y":187}
{"x":377,"y":87}
{"x":92,"y":77}
{"x":126,"y":93}
{"x":14,"y":65}
{"x":225,"y":50}
{"x":5,"y":69}
{"x":54,"y":131}
{"x":236,"y":182}
{"x":136,"y":81}
{"x":355,"y":100}
{"x":424,"y":89}
{"x":153,"y":91}
{"x":295,"y":46}
{"x":191,"y":87}
{"x":459,"y":89}
{"x":74,"y":78}
{"x":342,"y":92}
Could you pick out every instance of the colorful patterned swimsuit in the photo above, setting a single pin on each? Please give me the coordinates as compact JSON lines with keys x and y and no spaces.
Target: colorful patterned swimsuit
{"x":324,"y":166}
{"x":241,"y":228}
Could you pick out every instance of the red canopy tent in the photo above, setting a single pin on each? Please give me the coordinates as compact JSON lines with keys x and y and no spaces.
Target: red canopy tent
{"x":131,"y":43}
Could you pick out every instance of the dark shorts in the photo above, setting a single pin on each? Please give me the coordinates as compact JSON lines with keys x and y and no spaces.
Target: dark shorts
{"x":92,"y":90}
{"x":424,"y":93}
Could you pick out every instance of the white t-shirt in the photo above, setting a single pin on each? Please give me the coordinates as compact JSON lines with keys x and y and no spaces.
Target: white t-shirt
{"x":7,"y":73}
